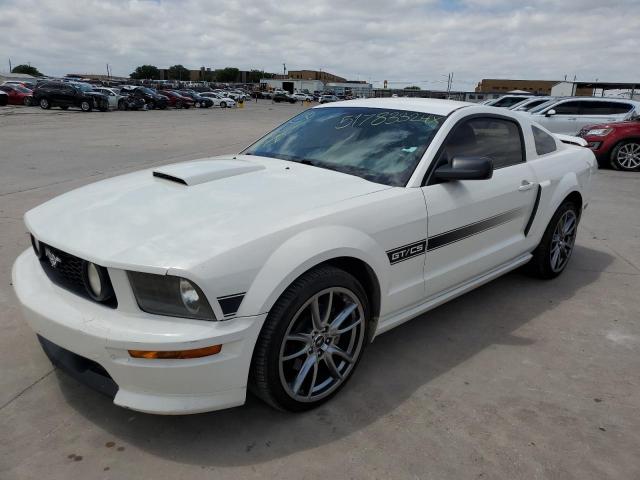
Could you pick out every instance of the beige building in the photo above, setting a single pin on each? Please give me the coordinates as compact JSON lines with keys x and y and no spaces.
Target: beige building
{"x":539,"y":87}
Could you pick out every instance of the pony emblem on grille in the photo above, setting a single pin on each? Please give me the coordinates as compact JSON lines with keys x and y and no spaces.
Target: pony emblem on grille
{"x":54,"y":260}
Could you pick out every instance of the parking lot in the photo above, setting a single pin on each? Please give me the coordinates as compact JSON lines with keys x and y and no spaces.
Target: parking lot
{"x":520,"y":378}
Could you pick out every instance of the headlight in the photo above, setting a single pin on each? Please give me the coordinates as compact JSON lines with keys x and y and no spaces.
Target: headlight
{"x":600,"y":132}
{"x":169,"y":295}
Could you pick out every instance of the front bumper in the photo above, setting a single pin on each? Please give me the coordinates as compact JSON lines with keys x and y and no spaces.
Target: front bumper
{"x":100,"y":338}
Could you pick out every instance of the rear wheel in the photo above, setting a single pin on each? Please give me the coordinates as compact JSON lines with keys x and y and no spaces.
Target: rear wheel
{"x":45,"y":104}
{"x":552,"y":255}
{"x":86,"y":106}
{"x":27,"y":101}
{"x":312,"y":340}
{"x":626,"y":156}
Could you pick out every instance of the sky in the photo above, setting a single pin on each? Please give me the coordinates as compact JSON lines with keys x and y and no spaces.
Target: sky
{"x":403,"y":41}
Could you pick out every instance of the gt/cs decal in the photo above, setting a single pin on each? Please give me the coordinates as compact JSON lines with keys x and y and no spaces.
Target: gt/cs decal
{"x":406,"y":252}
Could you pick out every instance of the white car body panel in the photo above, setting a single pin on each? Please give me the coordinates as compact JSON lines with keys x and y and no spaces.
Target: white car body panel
{"x":251,"y":224}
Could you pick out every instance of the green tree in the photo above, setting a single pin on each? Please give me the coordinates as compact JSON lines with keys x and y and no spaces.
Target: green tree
{"x":28,"y":69}
{"x":146,"y":72}
{"x":228,"y":74}
{"x":412,"y":87}
{"x":178,"y":72}
{"x":254,"y":76}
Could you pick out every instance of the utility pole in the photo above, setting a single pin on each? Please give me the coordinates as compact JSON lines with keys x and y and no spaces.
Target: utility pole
{"x":9,"y":65}
{"x":284,"y":69}
{"x":108,"y":74}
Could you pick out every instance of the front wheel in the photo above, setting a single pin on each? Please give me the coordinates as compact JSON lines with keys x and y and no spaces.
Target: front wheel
{"x":44,"y":104}
{"x":552,"y":255}
{"x":27,"y":101}
{"x":312,"y":340}
{"x":223,"y":104}
{"x":85,"y":106}
{"x":626,"y":156}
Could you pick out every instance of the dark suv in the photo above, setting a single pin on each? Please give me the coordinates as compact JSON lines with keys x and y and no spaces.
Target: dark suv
{"x":69,"y":94}
{"x":151,"y":97}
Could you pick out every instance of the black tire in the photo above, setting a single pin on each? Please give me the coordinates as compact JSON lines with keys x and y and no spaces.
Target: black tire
{"x":26,"y":101}
{"x":86,"y":106}
{"x":45,"y":104}
{"x":541,"y":263}
{"x":264,"y":377}
{"x":178,"y":104}
{"x":151,"y":105}
{"x":122,"y":105}
{"x":630,"y":164}
{"x":223,"y":104}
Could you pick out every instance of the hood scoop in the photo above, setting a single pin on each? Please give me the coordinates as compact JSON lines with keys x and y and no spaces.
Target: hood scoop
{"x":202,"y":171}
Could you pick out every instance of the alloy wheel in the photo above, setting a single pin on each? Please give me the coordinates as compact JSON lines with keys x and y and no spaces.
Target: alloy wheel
{"x":563,"y":240}
{"x":628,"y":156}
{"x":322,"y":344}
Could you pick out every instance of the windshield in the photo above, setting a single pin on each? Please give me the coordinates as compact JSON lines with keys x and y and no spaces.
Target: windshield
{"x":83,"y":87}
{"x":542,"y":106}
{"x":379,"y":145}
{"x":146,"y":90}
{"x":21,"y":89}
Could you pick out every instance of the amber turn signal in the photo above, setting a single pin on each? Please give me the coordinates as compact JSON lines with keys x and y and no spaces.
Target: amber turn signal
{"x":177,"y":354}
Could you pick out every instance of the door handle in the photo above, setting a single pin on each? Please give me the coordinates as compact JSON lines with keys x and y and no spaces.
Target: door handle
{"x":525,"y":185}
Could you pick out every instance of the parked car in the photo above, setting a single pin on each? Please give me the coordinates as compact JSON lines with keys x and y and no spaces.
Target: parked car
{"x":69,"y":94}
{"x":219,"y":100}
{"x":177,"y":100}
{"x":116,"y":100}
{"x":616,"y":144}
{"x":529,"y":103}
{"x":281,"y":263}
{"x":18,"y":95}
{"x":570,"y":115}
{"x":23,"y":83}
{"x":328,"y":98}
{"x":283,"y":97}
{"x":131,"y":102}
{"x":150,"y":96}
{"x":302,"y":97}
{"x":199,"y":100}
{"x":4,"y":99}
{"x":506,"y":101}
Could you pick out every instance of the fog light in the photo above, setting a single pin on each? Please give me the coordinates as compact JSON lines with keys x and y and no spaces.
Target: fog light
{"x":93,"y":278}
{"x":176,"y":354}
{"x":37,"y":247}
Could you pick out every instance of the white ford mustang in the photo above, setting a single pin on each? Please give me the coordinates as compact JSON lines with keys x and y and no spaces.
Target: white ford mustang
{"x":177,"y":288}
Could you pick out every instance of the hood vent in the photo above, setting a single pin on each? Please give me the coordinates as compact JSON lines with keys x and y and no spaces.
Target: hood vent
{"x":169,"y":177}
{"x":202,"y":171}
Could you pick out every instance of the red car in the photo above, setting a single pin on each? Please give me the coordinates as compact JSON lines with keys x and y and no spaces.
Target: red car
{"x":176,"y":100}
{"x":18,"y":95}
{"x":616,"y":144}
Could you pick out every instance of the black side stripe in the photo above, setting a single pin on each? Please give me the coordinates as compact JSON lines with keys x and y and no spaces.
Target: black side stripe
{"x":460,"y":233}
{"x":230,"y":303}
{"x":533,"y":212}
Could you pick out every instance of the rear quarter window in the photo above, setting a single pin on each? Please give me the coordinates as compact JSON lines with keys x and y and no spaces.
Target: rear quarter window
{"x":544,"y":142}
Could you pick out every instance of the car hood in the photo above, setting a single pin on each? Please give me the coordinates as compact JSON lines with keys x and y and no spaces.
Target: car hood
{"x":179,"y":215}
{"x":628,"y":123}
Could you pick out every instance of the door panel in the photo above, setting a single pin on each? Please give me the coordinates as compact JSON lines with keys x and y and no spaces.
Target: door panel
{"x":476,"y":225}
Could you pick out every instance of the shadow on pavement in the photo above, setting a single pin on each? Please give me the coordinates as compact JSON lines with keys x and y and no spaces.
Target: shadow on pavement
{"x":394,"y":367}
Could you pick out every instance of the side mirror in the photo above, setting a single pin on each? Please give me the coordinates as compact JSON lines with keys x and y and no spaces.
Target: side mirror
{"x":550,"y":113}
{"x":466,"y":168}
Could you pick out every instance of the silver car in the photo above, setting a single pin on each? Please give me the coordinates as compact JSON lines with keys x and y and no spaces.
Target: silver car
{"x":569,"y":115}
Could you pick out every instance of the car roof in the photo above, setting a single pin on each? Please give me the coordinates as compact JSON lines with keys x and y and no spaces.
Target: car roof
{"x":426,"y":105}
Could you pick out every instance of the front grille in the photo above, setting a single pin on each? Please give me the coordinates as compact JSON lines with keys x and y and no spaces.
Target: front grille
{"x":66,"y":271}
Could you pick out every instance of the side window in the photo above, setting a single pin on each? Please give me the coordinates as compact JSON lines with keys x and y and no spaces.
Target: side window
{"x":485,"y":137}
{"x":545,"y":143}
{"x":604,"y":108}
{"x":567,"y":108}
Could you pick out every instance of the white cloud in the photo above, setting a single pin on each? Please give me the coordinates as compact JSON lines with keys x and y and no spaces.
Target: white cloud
{"x":403,"y":41}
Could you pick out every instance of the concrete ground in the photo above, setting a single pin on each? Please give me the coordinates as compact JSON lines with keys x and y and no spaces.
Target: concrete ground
{"x":520,"y":379}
